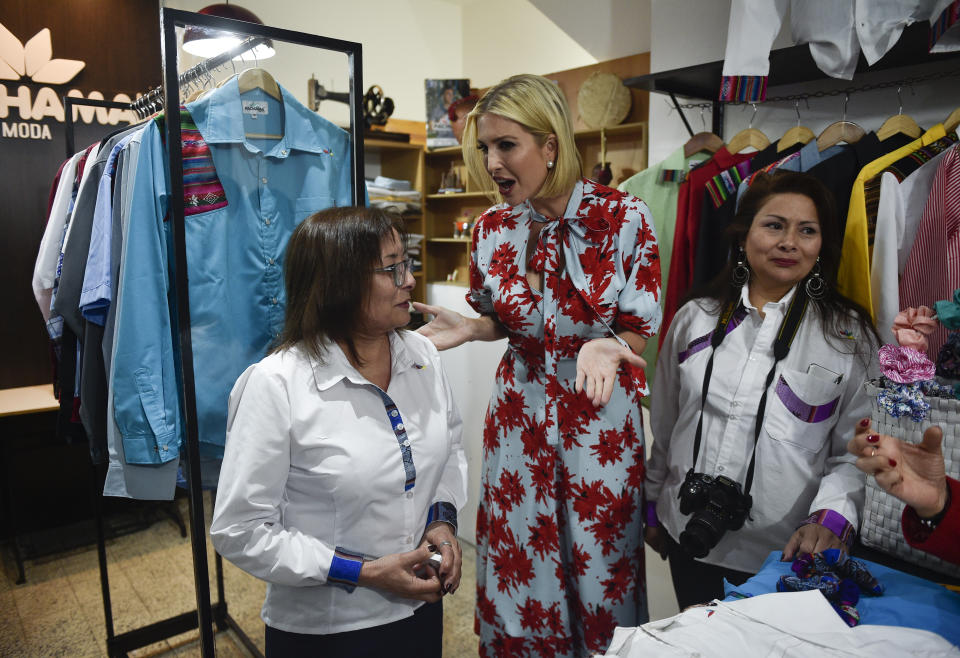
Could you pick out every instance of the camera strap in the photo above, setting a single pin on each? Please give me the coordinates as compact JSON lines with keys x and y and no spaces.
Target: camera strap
{"x":781,"y":347}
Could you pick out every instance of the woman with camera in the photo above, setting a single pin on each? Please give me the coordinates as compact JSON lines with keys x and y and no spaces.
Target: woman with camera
{"x":759,"y":378}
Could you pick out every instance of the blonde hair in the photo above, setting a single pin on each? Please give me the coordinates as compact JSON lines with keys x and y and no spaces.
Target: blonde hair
{"x":537,"y":104}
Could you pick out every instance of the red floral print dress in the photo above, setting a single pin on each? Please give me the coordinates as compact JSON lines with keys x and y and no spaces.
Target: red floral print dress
{"x":559,"y":529}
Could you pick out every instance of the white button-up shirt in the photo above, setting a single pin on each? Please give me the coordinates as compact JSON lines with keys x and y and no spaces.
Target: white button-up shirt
{"x":312,"y":464}
{"x":837,"y":30}
{"x":812,"y":406}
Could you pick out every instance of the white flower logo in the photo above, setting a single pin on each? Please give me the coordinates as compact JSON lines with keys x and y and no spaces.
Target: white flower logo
{"x":34,"y":60}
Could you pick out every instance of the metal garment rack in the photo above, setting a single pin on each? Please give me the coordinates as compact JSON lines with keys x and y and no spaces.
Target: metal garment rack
{"x":205,"y":615}
{"x":118,"y":645}
{"x":170,"y":20}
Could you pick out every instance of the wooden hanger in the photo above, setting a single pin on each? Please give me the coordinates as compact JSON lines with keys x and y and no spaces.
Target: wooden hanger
{"x":899,"y":123}
{"x":748,"y":137}
{"x":257,"y":78}
{"x":703,"y":141}
{"x":840,"y":131}
{"x":796,"y":135}
{"x":952,"y":121}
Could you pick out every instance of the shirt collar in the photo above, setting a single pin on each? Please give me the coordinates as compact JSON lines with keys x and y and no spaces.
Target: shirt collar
{"x":576,"y":216}
{"x":780,"y":305}
{"x":219,"y":119}
{"x":337,"y":367}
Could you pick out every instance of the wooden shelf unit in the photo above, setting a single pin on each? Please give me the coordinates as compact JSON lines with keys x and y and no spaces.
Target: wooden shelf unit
{"x":405,"y":161}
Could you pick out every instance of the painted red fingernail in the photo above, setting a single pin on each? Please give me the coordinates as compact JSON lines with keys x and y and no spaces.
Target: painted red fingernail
{"x":893,"y":462}
{"x":872,"y":438}
{"x":864,"y":422}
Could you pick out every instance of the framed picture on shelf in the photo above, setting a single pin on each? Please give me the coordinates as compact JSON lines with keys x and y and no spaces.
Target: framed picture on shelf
{"x":440,"y":95}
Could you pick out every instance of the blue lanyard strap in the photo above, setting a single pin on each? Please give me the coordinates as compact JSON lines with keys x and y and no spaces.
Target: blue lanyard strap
{"x":396,"y":421}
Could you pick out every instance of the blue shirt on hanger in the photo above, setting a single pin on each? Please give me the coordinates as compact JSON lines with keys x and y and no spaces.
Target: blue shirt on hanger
{"x":234,"y":257}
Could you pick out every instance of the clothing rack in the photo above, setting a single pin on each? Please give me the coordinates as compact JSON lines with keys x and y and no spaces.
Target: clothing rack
{"x":792,"y":66}
{"x":170,"y":20}
{"x":154,"y":98}
{"x":119,"y":645}
{"x":205,"y":614}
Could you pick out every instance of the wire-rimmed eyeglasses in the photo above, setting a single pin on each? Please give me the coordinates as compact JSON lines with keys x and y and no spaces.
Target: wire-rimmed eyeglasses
{"x":398,"y":270}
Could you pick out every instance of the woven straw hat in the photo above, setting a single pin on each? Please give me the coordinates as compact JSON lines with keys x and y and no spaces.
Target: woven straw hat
{"x":603,"y":100}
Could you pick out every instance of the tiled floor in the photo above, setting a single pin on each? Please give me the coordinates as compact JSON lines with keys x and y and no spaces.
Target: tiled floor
{"x":59,"y":611}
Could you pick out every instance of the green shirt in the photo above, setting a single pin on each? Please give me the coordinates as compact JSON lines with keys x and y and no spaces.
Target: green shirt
{"x":661,"y":197}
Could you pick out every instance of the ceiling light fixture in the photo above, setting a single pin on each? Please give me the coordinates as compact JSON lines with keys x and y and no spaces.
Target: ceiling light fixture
{"x":208,"y":42}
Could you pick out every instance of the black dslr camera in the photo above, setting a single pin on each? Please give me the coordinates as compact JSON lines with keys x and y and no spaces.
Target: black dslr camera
{"x":717,"y":505}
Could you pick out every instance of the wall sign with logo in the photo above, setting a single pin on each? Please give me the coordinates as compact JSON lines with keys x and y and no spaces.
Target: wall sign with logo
{"x":107,"y":50}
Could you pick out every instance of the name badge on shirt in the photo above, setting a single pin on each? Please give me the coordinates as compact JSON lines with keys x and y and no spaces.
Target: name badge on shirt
{"x":255,"y":108}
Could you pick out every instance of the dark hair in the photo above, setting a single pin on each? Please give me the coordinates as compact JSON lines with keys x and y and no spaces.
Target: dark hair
{"x":835,"y":310}
{"x":329,"y":271}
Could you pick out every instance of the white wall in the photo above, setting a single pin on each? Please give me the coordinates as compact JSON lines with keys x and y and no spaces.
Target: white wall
{"x":607,"y":29}
{"x":676,"y":41}
{"x":407,"y":41}
{"x":404,"y":42}
{"x":505,"y":37}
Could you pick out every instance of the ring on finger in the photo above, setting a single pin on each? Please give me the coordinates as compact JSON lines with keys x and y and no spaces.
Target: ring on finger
{"x":874,"y":453}
{"x":445,"y":543}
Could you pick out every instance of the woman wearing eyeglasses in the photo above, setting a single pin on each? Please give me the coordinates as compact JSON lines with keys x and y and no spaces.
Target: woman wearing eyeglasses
{"x":343,"y":470}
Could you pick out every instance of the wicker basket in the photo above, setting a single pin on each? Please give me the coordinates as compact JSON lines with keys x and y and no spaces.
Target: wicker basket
{"x":880,"y":526}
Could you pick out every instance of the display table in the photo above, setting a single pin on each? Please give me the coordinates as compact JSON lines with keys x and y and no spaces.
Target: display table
{"x":19,"y":401}
{"x":908,"y":600}
{"x":913,"y":618}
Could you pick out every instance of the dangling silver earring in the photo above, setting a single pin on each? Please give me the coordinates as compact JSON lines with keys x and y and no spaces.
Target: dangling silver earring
{"x":741,"y":273}
{"x":549,"y":164}
{"x":815,"y":286}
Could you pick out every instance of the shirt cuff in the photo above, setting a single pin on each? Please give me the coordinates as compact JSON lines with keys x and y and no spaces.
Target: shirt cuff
{"x":835,"y":523}
{"x":744,"y":88}
{"x":650,"y":514}
{"x":345,"y":569}
{"x":442,"y":511}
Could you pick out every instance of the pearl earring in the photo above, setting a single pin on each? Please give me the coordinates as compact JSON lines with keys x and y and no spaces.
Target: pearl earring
{"x":549,"y":164}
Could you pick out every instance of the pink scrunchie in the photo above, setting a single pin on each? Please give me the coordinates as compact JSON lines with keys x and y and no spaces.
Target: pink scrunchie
{"x":905,"y":365}
{"x":912,"y":326}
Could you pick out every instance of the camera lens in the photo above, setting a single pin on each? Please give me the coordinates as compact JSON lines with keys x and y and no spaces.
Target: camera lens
{"x":701,"y":534}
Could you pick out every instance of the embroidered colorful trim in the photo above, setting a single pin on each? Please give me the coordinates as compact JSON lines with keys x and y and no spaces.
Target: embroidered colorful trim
{"x":345,"y":568}
{"x":672,"y":176}
{"x":808,"y":413}
{"x":835,"y":523}
{"x":698,"y":344}
{"x":772,"y":167}
{"x":443,"y":511}
{"x":202,"y":189}
{"x":747,"y":88}
{"x":396,"y":421}
{"x":724,"y":185}
{"x":947,"y":19}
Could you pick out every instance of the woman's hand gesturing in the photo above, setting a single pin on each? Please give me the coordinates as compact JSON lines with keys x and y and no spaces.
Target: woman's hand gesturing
{"x":597,"y":365}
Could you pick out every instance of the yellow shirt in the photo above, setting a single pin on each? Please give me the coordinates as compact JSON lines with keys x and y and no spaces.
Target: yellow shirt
{"x":853,"y":279}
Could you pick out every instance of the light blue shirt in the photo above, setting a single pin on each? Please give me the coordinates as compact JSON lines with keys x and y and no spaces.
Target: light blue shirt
{"x":96,"y":295}
{"x":234,"y":262}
